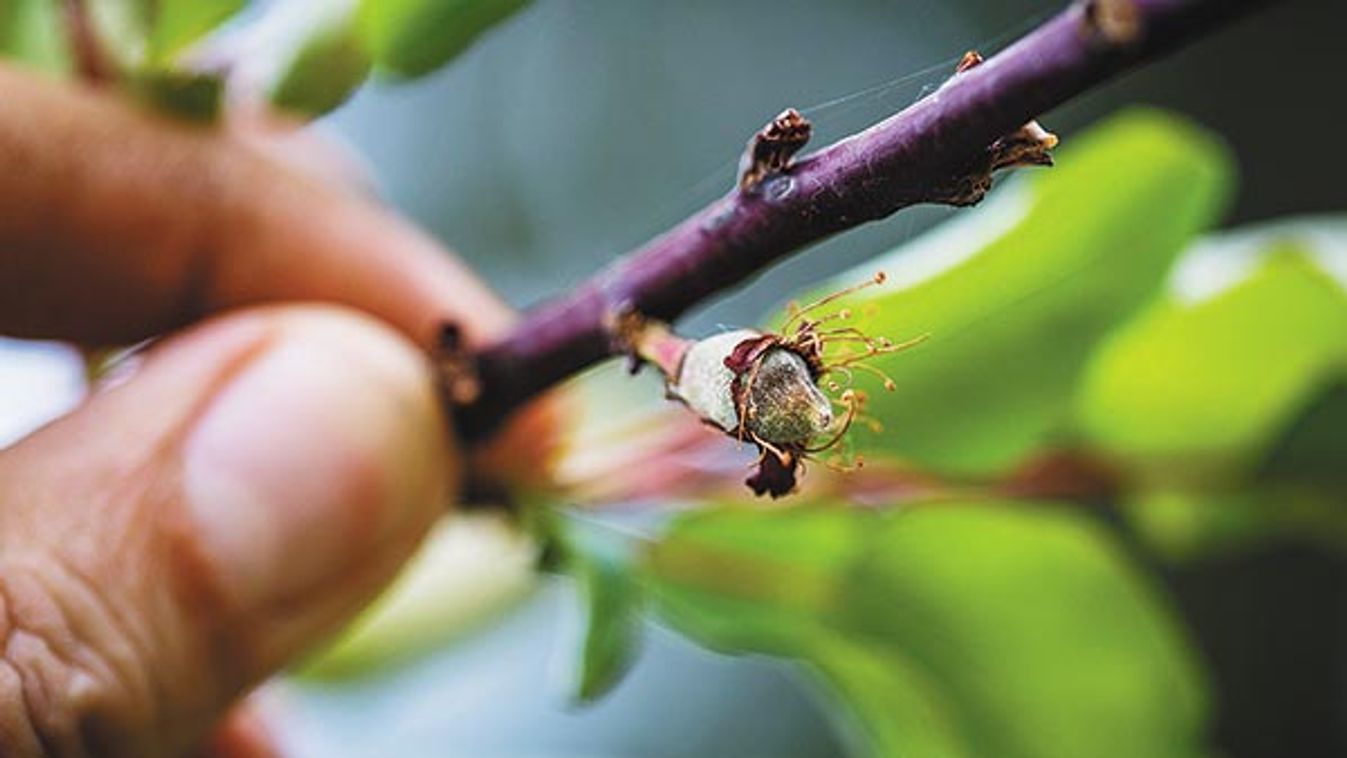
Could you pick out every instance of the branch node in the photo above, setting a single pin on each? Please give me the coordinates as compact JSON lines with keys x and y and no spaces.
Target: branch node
{"x":459,"y":378}
{"x":770,"y":150}
{"x":970,"y":59}
{"x":1030,"y":145}
{"x":1116,"y":23}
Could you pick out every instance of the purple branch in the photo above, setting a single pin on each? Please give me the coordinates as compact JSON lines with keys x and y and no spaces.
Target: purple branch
{"x":937,"y":150}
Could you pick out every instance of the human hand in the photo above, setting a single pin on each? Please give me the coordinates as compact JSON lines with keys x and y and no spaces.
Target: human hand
{"x":192,"y":528}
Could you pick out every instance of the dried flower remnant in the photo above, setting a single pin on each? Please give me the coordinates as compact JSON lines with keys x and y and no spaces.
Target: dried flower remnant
{"x":772,"y":147}
{"x":768,"y":388}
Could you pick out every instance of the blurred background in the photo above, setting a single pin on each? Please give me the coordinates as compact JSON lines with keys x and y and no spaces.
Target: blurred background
{"x":576,"y":130}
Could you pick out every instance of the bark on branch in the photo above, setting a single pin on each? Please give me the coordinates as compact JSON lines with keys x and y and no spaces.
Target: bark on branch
{"x":941,"y":149}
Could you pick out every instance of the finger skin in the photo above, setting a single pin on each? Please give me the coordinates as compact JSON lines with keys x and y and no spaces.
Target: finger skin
{"x":244,"y":733}
{"x":118,"y":224}
{"x":129,"y":624}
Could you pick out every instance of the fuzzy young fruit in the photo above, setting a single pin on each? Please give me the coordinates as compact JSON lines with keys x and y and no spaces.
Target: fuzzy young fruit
{"x":781,"y":404}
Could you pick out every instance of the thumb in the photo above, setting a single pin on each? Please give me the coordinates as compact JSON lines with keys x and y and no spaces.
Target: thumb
{"x":185,"y":533}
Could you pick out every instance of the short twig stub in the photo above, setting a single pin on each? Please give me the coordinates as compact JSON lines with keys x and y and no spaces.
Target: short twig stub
{"x":770,"y":150}
{"x":1114,"y":22}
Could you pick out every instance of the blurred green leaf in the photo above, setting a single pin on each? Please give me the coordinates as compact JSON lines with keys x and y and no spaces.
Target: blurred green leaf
{"x":894,"y":708}
{"x":146,"y":34}
{"x":1225,"y":400}
{"x":1312,"y":449}
{"x":601,"y":563}
{"x":193,"y":96}
{"x":122,"y":28}
{"x":414,"y":37}
{"x":1016,"y":294}
{"x":467,"y":571}
{"x":328,"y":64}
{"x":990,"y":629}
{"x":1197,"y":393}
{"x":1189,"y":524}
{"x":178,"y":23}
{"x":30,"y":32}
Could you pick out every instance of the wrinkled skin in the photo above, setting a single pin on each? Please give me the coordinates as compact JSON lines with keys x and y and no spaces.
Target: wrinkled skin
{"x":275,"y":457}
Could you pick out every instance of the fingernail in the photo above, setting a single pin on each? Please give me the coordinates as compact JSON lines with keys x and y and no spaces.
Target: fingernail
{"x":315,"y":454}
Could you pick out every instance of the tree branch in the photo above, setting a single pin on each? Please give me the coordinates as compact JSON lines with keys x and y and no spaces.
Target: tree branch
{"x":941,"y":149}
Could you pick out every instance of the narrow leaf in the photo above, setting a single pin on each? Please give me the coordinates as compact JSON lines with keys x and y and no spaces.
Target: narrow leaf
{"x":328,"y":65}
{"x":31,"y":33}
{"x":414,"y":37}
{"x":178,"y":23}
{"x":601,"y":563}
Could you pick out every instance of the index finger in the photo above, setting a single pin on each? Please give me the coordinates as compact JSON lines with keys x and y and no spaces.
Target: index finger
{"x":117,"y":224}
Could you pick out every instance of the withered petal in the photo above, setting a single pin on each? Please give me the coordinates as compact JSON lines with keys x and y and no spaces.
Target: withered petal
{"x":774,"y":476}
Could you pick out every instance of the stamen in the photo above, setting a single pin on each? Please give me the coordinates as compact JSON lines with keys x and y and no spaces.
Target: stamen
{"x":836,"y":463}
{"x":769,"y":447}
{"x":850,"y":379}
{"x":889,"y":384}
{"x":878,"y":278}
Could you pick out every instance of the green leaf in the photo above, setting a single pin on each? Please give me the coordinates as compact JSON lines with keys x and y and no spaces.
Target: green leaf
{"x":600,"y":560}
{"x":192,"y":96}
{"x":1311,"y":450}
{"x":1016,"y":294}
{"x":414,"y":37}
{"x":146,"y":34}
{"x":328,"y":64}
{"x":894,"y":708}
{"x":30,"y":32}
{"x":1225,"y":400}
{"x":990,"y":629}
{"x":1192,"y":524}
{"x":178,"y":23}
{"x":1196,"y":392}
{"x":122,"y":28}
{"x":467,"y":571}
